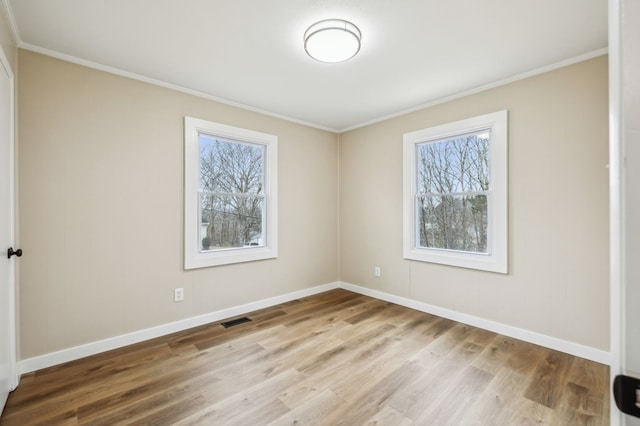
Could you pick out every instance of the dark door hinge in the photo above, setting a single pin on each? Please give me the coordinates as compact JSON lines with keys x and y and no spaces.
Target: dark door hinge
{"x":626,"y":392}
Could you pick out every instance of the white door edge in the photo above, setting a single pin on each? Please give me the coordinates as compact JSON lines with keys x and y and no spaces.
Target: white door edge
{"x":14,"y":377}
{"x":616,"y":208}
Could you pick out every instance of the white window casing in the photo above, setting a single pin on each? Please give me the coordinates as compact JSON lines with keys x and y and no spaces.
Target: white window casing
{"x":495,"y":257}
{"x":194,"y":254}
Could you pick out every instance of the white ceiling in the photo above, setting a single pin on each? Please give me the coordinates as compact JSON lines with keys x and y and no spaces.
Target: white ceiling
{"x":250,"y":52}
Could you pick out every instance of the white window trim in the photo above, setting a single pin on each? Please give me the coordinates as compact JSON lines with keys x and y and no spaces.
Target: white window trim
{"x":193,"y":257}
{"x":497,"y":258}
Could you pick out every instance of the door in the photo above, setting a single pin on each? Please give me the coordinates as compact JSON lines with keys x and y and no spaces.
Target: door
{"x":7,"y":266}
{"x":630,"y":134}
{"x":624,"y":89}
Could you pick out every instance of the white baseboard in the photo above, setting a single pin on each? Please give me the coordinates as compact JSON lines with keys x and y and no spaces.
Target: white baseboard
{"x":54,"y":358}
{"x":576,"y":349}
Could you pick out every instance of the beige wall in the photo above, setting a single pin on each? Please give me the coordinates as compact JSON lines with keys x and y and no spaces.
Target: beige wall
{"x":101,"y":222}
{"x":558,"y":209}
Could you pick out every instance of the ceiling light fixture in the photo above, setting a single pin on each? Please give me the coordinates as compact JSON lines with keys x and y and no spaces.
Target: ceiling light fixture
{"x":332,"y":40}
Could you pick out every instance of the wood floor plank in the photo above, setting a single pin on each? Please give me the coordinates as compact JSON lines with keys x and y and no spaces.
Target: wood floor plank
{"x":589,"y":374}
{"x":69,"y":392}
{"x":421,"y":398}
{"x":366,"y":364}
{"x":530,"y":413}
{"x":500,"y":398}
{"x":327,"y":359}
{"x":149,"y":391}
{"x":455,"y":403}
{"x":369,"y":400}
{"x":581,"y":405}
{"x":524,"y":357}
{"x":314,"y":411}
{"x":340,"y":353}
{"x":549,"y":379}
{"x":495,"y":355}
{"x":388,"y":416}
{"x":257,"y":399}
{"x":51,"y":383}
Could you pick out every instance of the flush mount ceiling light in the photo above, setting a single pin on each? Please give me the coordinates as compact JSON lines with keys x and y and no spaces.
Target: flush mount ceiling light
{"x":332,"y":40}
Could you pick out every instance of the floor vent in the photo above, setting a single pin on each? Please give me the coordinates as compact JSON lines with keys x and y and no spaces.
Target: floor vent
{"x":237,"y":321}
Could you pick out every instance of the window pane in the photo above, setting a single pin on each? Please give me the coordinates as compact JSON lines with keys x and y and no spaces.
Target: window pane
{"x":231,"y":167}
{"x":454,"y":165}
{"x":452,"y":222}
{"x":231,"y":221}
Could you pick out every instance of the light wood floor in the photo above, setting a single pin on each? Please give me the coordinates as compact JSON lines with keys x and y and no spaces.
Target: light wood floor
{"x":336,"y":358}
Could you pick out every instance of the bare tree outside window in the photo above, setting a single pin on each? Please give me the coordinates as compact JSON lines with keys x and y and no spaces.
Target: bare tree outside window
{"x":452,"y":193}
{"x":231,"y":195}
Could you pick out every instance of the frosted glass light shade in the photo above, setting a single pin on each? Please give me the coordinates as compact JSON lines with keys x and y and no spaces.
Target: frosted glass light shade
{"x":332,"y":40}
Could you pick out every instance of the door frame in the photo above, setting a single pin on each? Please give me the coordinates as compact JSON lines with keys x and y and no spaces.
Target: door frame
{"x":13,"y":371}
{"x":617,"y":213}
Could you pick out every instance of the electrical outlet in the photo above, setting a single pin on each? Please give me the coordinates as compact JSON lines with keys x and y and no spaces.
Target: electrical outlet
{"x":376,"y":271}
{"x":178,"y":294}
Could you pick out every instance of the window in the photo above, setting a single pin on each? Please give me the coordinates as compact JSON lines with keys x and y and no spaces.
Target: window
{"x":230,"y":194}
{"x":455,"y":193}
